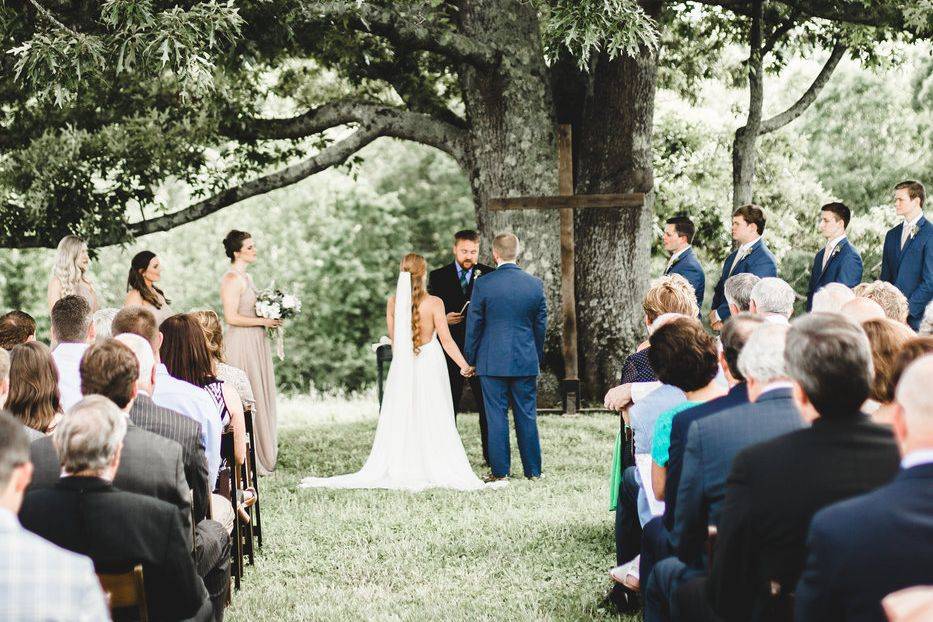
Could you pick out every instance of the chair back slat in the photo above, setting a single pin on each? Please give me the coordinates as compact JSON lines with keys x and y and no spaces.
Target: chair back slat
{"x":125,"y":590}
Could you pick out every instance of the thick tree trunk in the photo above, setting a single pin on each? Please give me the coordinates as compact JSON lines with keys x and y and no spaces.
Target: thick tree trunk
{"x":612,"y":111}
{"x":744,"y":154}
{"x":512,"y":151}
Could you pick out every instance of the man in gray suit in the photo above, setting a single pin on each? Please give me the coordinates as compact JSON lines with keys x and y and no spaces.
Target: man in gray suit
{"x":712,"y":444}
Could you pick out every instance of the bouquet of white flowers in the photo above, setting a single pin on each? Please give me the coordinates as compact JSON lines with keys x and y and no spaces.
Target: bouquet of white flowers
{"x":274,"y":304}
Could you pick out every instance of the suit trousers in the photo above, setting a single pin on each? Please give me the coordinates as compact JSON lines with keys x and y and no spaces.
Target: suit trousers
{"x":665,"y":580}
{"x":456,"y":392}
{"x":212,"y":561}
{"x":521,"y":393}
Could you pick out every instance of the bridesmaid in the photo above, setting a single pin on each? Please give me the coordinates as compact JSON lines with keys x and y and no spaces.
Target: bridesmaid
{"x":145,"y":272}
{"x":69,"y":275}
{"x":246,"y":344}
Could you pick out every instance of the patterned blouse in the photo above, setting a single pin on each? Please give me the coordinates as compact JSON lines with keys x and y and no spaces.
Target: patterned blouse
{"x":637,"y":368}
{"x":238,"y":378}
{"x":216,"y":390}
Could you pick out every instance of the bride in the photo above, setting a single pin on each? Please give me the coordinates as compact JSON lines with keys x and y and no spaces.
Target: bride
{"x":417,"y":445}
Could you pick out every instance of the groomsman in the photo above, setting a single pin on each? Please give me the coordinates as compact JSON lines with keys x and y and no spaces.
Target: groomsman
{"x":838,"y":261}
{"x":454,"y":285}
{"x":907,"y":261}
{"x":678,"y":235}
{"x":752,"y":256}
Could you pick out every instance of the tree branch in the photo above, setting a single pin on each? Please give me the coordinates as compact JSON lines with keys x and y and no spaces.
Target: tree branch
{"x":395,"y":122}
{"x":848,"y":11}
{"x":809,"y":96}
{"x":407,"y":32}
{"x":779,"y":32}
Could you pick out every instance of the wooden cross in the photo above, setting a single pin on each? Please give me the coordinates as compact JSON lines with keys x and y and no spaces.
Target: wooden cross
{"x":566,"y":201}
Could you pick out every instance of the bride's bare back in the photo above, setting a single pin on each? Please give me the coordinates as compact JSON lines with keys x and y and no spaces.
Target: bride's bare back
{"x":433,"y":319}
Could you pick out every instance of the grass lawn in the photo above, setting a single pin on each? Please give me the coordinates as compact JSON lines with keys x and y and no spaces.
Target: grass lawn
{"x":536,"y":550}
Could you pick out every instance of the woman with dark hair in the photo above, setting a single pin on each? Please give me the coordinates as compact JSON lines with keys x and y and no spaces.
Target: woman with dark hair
{"x":247,"y":345}
{"x":145,"y":272}
{"x":33,"y":396}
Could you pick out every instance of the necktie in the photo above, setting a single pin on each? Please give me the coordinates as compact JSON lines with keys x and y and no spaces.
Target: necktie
{"x":827,"y":253}
{"x":738,"y":257}
{"x":905,"y":233}
{"x":464,"y":280}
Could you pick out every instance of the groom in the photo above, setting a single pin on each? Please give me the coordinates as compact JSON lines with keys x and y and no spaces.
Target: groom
{"x":453,"y":284}
{"x":506,"y":320}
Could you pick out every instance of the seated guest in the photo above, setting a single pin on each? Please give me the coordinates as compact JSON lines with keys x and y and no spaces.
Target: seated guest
{"x":776,"y":487}
{"x":172,"y":393}
{"x":102,"y":320}
{"x":863,"y":549}
{"x":33,"y":396}
{"x":678,"y":235}
{"x":735,"y":333}
{"x":860,"y":310}
{"x":886,"y":338}
{"x":668,"y":294}
{"x":39,"y":582}
{"x":214,"y":333}
{"x":712,"y":443}
{"x":915,"y":348}
{"x":16,"y":327}
{"x":889,"y":297}
{"x":84,"y":512}
{"x":72,"y":330}
{"x":839,"y":261}
{"x":831,"y":298}
{"x":151,"y":465}
{"x":168,"y":424}
{"x":738,"y":291}
{"x":926,"y":324}
{"x":773,"y":299}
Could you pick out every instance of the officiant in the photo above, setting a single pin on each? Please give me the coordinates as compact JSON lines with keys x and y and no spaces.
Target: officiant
{"x":453,"y":284}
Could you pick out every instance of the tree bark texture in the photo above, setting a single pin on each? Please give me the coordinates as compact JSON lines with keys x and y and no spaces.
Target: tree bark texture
{"x":612,"y":111}
{"x":512,"y":151}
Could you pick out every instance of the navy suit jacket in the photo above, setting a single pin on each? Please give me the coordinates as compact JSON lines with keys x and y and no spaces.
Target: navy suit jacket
{"x":910,"y":269}
{"x":712,"y":443}
{"x":688,"y":266}
{"x":862,"y":549}
{"x":736,"y":396}
{"x":506,"y":321}
{"x":759,"y":261}
{"x":845,"y":266}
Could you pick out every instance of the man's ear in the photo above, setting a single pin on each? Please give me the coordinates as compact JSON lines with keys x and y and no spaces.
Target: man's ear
{"x":91,"y":333}
{"x":899,"y":423}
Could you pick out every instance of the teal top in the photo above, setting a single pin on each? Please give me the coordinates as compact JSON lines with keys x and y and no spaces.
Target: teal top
{"x":661,"y":438}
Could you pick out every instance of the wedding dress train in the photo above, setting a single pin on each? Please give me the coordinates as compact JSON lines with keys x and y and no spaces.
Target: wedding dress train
{"x":417,"y":445}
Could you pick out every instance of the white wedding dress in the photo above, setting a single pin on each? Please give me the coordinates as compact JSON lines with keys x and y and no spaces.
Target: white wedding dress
{"x":417,"y":445}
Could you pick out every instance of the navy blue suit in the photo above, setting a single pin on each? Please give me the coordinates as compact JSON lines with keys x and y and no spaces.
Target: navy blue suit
{"x":844,"y":266}
{"x":688,"y":266}
{"x":862,"y":549}
{"x":910,"y":269}
{"x":759,"y":261}
{"x":505,"y":328}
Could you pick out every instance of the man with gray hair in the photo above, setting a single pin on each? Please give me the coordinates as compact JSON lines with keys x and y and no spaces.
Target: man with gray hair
{"x":774,"y":299}
{"x":831,"y":298}
{"x":890,"y":529}
{"x":38,"y":581}
{"x":712,"y":444}
{"x":770,"y":499}
{"x":738,"y":291}
{"x":85,"y":514}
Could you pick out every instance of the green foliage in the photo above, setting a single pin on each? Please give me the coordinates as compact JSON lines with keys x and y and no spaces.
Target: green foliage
{"x":587,"y":27}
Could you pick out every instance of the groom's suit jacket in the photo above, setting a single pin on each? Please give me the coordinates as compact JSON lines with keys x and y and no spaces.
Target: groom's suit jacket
{"x":910,"y":269}
{"x":844,"y":266}
{"x":445,"y":284}
{"x":506,"y":321}
{"x":758,"y":261}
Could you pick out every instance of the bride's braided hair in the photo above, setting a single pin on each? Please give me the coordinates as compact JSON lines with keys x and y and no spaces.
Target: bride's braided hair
{"x":415,"y":264}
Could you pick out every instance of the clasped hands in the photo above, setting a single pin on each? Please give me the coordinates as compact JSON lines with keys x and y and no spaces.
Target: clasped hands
{"x":467,"y":372}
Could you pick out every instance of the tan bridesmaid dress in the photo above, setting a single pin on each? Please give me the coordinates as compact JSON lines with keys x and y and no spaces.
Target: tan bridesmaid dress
{"x":247,"y":347}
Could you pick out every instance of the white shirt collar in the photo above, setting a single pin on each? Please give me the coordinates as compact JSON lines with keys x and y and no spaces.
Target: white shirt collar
{"x":69,"y":347}
{"x":776,"y":318}
{"x":918,"y":457}
{"x":835,"y":241}
{"x":503,"y":263}
{"x":774,"y":386}
{"x":909,"y":224}
{"x":745,"y":247}
{"x":679,"y":253}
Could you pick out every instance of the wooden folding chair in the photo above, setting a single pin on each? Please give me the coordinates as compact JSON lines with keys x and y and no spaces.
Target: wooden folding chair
{"x":126,"y":590}
{"x":232,"y":473}
{"x":252,"y":476}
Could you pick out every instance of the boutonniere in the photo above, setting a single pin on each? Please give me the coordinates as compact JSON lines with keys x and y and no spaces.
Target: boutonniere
{"x":913,"y":231}
{"x":836,"y":251}
{"x":675,"y":260}
{"x":479,"y":273}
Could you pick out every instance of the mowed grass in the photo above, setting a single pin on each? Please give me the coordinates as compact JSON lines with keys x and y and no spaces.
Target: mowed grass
{"x":533,"y":551}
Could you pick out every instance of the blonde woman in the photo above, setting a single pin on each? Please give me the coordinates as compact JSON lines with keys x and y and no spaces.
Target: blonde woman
{"x":213,"y":331}
{"x":70,"y":275}
{"x":417,"y":445}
